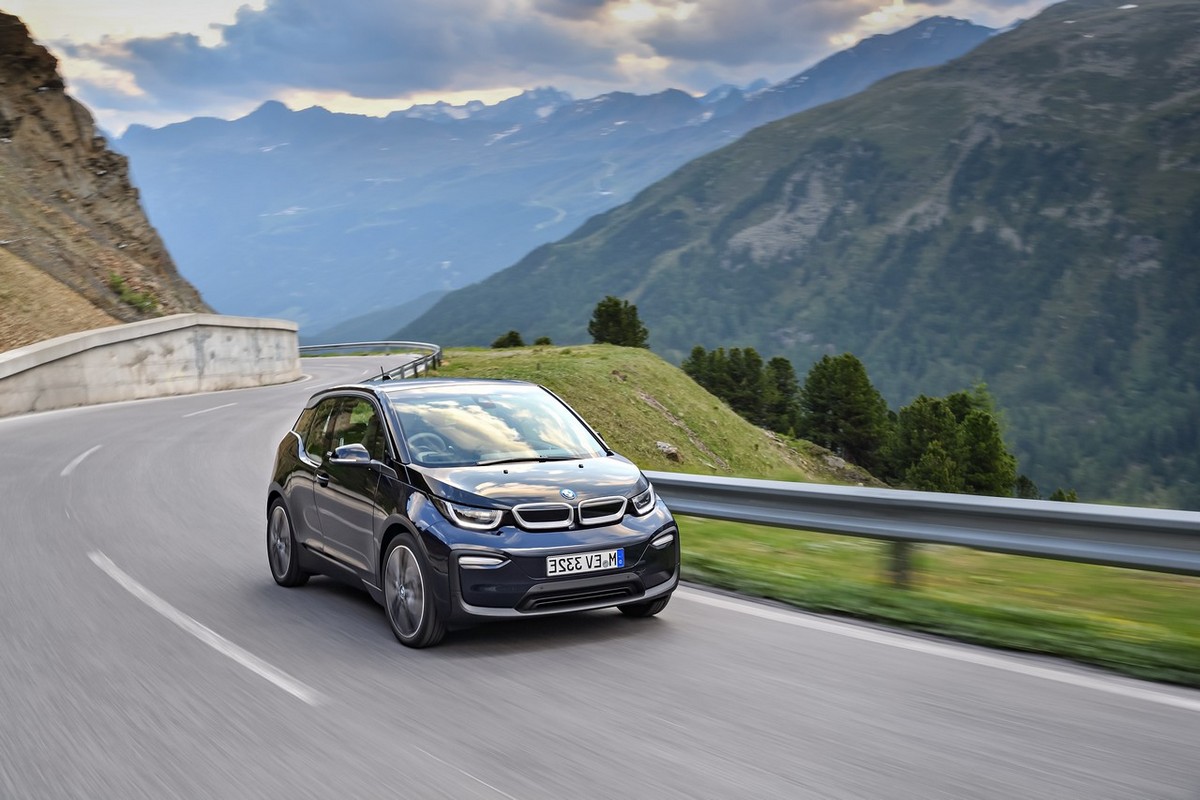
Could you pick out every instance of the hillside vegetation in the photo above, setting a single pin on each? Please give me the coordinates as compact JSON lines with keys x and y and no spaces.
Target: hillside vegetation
{"x":635,"y":400}
{"x":1027,"y":216}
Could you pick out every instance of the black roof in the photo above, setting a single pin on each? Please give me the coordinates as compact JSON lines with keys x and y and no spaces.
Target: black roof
{"x":387,"y":386}
{"x":414,"y":383}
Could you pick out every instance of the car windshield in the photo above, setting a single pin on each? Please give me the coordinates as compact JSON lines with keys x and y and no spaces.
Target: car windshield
{"x":477,"y":425}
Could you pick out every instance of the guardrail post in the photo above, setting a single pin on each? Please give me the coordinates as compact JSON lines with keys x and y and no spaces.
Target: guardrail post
{"x":900,"y":564}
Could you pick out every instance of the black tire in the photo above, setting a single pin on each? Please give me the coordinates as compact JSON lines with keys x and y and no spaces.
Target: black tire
{"x":646,"y":609}
{"x":282,"y":553}
{"x":408,"y":598}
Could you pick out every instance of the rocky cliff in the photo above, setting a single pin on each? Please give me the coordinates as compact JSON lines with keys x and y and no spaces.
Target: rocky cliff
{"x":76,"y":248}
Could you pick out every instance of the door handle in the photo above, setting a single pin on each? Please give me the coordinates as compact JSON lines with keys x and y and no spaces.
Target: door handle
{"x":323,"y":478}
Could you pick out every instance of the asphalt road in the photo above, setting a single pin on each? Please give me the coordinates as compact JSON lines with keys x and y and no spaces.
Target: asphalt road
{"x":146,"y":653}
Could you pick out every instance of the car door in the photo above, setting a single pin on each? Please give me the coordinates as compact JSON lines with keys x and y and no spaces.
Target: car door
{"x":345,"y":489}
{"x":301,"y":488}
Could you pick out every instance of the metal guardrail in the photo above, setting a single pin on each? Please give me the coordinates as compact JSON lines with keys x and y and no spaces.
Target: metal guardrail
{"x":1161,"y":540}
{"x":433,"y":359}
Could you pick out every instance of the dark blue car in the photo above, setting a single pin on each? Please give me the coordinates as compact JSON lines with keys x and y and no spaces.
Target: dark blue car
{"x":457,"y":501}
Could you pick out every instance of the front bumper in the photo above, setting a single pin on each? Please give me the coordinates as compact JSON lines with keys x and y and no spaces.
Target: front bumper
{"x":520,"y":588}
{"x":577,"y":594}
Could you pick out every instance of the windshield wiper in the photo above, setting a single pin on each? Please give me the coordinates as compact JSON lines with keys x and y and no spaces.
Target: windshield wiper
{"x":522,"y":459}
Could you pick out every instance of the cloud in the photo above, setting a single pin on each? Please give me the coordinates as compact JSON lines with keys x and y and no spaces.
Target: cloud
{"x":574,"y":9}
{"x":755,"y":31}
{"x":369,"y":48}
{"x":395,"y":49}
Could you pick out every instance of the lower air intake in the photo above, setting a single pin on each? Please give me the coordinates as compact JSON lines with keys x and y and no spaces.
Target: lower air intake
{"x":577,"y":598}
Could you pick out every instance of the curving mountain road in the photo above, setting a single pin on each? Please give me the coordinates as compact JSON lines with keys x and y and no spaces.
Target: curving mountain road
{"x":146,"y":653}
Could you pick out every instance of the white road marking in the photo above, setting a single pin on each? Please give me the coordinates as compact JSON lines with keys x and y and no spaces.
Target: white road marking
{"x":917,"y":645}
{"x":207,"y":635}
{"x":205,"y":411}
{"x":69,"y":468}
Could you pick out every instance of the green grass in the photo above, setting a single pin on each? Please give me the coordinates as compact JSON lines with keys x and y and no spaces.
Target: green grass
{"x":1140,"y":623}
{"x":634,"y":400}
{"x":142,"y":301}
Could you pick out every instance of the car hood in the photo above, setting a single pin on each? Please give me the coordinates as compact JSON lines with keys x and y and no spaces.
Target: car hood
{"x":506,"y":485}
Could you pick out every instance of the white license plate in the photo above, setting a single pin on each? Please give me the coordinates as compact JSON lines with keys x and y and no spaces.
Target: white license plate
{"x":585,"y":562}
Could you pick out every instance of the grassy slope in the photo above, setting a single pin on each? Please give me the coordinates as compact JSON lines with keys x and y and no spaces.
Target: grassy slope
{"x":1136,"y":622}
{"x":634,"y":400}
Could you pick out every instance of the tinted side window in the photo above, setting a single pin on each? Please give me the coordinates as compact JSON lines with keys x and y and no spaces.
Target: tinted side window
{"x":316,"y":437}
{"x":304,"y":422}
{"x":357,"y":422}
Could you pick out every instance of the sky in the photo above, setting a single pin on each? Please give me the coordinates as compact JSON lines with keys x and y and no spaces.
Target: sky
{"x":153,"y":62}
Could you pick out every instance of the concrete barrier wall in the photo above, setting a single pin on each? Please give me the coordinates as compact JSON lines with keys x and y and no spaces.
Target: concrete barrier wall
{"x":180,"y":354}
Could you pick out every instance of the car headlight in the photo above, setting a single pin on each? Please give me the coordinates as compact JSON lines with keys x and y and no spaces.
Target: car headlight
{"x":643,"y":502}
{"x":470,"y":517}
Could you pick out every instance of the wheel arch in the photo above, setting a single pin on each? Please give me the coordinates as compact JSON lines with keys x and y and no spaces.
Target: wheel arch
{"x":394,"y":528}
{"x":275,"y":493}
{"x":433,"y":551}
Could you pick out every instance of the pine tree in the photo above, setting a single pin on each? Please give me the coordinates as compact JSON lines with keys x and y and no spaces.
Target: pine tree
{"x":1026,"y":488}
{"x":696,"y":367}
{"x":959,"y":433}
{"x":745,"y":380}
{"x":840,"y":409}
{"x":935,"y":471}
{"x":510,"y":339}
{"x":923,"y":421}
{"x":716,"y":374}
{"x":781,"y":395}
{"x":616,"y":321}
{"x":987,"y":466}
{"x":711,"y":371}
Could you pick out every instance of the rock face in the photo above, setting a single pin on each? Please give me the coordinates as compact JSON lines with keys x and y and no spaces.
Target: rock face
{"x":67,"y":207}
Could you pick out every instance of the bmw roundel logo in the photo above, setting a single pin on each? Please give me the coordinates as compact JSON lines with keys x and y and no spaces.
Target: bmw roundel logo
{"x":568,"y":494}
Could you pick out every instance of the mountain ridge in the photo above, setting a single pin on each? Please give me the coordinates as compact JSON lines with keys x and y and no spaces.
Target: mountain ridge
{"x":259,"y":210}
{"x":1025,"y":215}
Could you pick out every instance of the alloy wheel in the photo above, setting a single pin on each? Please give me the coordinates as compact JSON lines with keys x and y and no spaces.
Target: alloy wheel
{"x":404,"y":591}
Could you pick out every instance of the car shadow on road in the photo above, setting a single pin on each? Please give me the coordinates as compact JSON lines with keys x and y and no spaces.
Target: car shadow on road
{"x":583,"y":628}
{"x":604,"y":626}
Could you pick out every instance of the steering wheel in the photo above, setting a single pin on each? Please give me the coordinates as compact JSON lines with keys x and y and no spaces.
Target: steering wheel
{"x":427,"y":442}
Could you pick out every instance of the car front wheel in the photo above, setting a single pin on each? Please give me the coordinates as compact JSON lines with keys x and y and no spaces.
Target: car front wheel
{"x":281,"y":548}
{"x":408,"y":597}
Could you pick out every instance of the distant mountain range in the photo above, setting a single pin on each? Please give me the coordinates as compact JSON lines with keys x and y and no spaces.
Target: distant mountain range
{"x":1027,"y":215}
{"x":326,"y":218}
